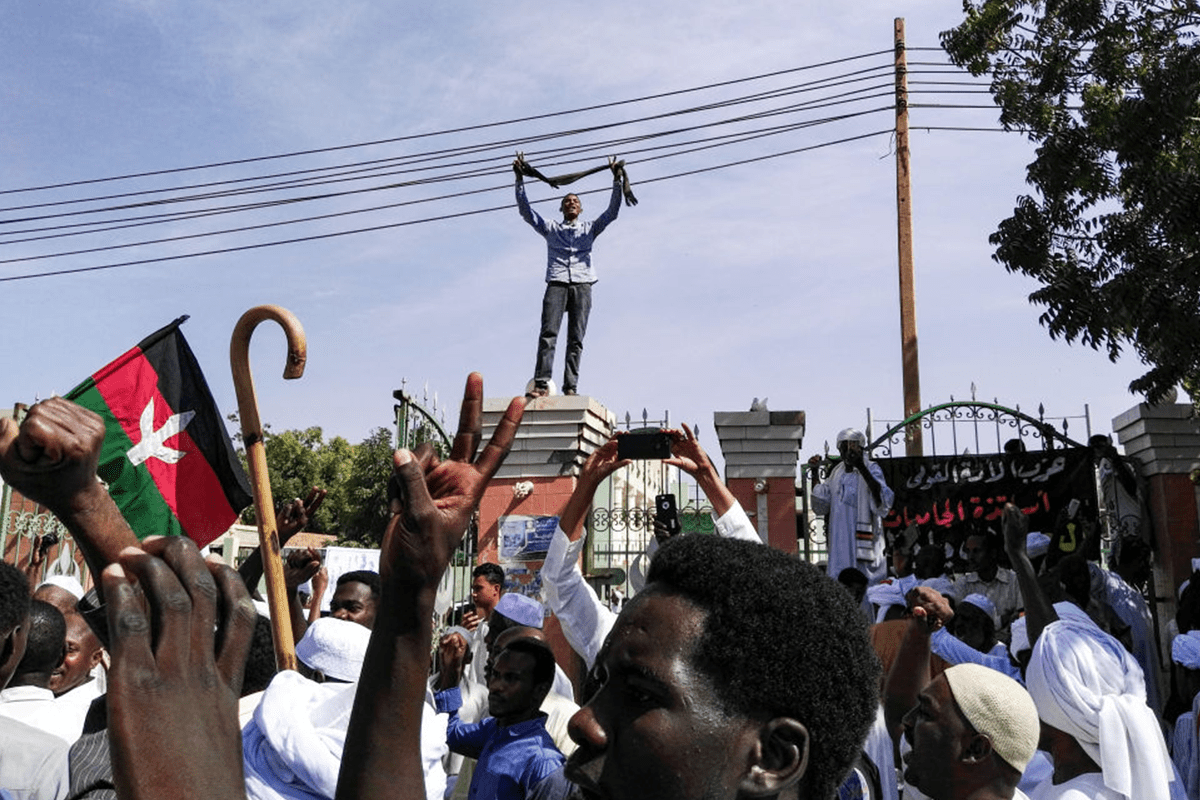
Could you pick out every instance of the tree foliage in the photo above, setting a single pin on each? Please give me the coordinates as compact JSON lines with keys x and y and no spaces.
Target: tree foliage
{"x":1110,"y":91}
{"x":355,"y":477}
{"x":366,"y":490}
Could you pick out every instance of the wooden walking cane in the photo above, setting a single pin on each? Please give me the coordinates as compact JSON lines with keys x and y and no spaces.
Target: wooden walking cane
{"x":256,"y":457}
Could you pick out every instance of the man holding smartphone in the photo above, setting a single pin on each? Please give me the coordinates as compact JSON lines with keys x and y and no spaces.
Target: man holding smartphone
{"x":855,"y":497}
{"x":569,"y":278}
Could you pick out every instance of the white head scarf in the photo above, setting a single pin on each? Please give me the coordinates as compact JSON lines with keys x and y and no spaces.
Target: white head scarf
{"x":1087,"y":685}
{"x":851,"y":435}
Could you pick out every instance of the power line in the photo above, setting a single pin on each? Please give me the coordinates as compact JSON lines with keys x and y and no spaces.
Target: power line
{"x":406,"y":223}
{"x":823,"y":83}
{"x":463,"y":129}
{"x":844,"y":97}
{"x":847,"y":91}
{"x":680,"y":149}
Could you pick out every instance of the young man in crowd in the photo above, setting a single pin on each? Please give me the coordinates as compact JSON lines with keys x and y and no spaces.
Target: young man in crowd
{"x":487,"y":587}
{"x":513,"y":750}
{"x":33,"y":762}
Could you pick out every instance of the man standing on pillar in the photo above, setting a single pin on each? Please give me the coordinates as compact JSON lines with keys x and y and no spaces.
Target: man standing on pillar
{"x":569,"y":278}
{"x":855,"y":497}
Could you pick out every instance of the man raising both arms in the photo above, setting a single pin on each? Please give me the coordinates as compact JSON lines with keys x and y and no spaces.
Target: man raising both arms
{"x":569,"y":277}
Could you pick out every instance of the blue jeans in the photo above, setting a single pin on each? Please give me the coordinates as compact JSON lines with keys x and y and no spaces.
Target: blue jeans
{"x":575,"y":299}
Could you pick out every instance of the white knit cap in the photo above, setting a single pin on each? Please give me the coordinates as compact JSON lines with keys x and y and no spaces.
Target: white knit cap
{"x":334,"y":646}
{"x":1185,"y":650}
{"x":998,"y":707}
{"x":1087,"y":685}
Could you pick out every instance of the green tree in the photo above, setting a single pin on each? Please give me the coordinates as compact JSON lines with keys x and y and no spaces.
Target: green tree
{"x":1110,"y":92}
{"x":366,"y":491}
{"x":298,"y":460}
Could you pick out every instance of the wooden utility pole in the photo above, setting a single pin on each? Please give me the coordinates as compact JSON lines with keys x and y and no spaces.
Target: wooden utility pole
{"x":908,"y":310}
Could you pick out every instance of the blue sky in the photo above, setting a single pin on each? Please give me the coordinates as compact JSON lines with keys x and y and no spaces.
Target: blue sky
{"x":774,"y":279}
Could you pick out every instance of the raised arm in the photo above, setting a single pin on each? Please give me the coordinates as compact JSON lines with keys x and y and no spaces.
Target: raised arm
{"x":290,"y":519}
{"x":300,"y":566}
{"x":585,"y":620}
{"x":614,"y":203}
{"x":910,"y":669}
{"x":51,"y":459}
{"x":382,"y":755}
{"x":689,"y":456}
{"x":1039,"y":611}
{"x":526,"y":210}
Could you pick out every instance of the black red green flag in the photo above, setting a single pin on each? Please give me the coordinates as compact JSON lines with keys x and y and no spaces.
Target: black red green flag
{"x":167,"y":458}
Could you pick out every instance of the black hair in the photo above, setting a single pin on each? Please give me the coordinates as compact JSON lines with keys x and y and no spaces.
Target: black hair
{"x":1133,"y":550}
{"x":47,"y":641}
{"x":543,"y":658}
{"x":14,"y":598}
{"x":494,"y":573}
{"x":852,"y":576}
{"x":368,"y":578}
{"x":260,"y":661}
{"x":780,"y":639}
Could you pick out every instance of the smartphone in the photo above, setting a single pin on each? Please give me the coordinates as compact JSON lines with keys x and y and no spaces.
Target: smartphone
{"x":644,"y":443}
{"x":666,"y":512}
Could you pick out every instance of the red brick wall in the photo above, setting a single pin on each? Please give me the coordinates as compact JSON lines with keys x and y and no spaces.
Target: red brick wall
{"x":781,"y":509}
{"x":1176,"y":526}
{"x":547,"y":500}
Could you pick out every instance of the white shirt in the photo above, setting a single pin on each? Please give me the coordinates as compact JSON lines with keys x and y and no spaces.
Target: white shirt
{"x":585,"y":620}
{"x":33,"y":763}
{"x":35,"y":706}
{"x":1088,"y":786}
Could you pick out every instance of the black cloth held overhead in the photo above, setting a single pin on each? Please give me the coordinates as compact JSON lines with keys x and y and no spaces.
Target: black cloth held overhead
{"x":558,"y":181}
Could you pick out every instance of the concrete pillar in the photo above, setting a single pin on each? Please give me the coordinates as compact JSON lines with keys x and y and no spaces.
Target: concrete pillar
{"x":1165,"y":440}
{"x":761,"y":449}
{"x":556,"y":435}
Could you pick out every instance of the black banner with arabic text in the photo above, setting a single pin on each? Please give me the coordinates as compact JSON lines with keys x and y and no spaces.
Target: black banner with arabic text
{"x":948,"y":491}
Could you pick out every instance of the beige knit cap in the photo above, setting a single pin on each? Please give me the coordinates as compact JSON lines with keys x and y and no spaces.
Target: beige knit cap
{"x":998,"y":707}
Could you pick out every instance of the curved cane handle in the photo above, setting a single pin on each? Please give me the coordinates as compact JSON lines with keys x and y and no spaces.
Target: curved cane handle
{"x":256,"y":458}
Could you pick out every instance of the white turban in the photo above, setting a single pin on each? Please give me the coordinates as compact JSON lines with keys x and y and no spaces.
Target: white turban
{"x":852,"y":435}
{"x":1185,"y":650}
{"x":1065,"y":610}
{"x":1087,"y":685}
{"x":67,"y":582}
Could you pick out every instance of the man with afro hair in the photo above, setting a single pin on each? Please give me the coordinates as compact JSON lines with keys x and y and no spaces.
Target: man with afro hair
{"x":739,"y":671}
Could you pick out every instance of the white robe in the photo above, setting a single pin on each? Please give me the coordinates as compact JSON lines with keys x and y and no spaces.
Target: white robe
{"x":851,"y":507}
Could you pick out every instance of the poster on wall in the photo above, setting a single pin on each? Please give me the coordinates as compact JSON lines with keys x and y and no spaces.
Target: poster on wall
{"x":524,"y":538}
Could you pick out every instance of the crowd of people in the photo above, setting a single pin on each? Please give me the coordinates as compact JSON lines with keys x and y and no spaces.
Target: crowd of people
{"x":734,"y":671}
